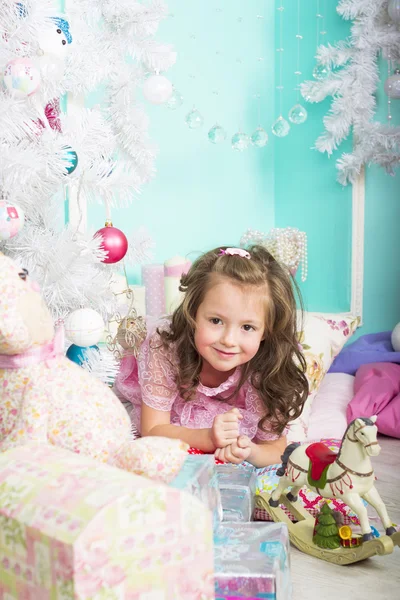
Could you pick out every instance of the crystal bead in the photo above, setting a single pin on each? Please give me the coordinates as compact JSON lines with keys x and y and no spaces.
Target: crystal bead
{"x":320,"y":72}
{"x":392,"y":85}
{"x":240,"y":141}
{"x":194,"y":119}
{"x":217,"y":134}
{"x":175,"y":101}
{"x":259,"y":138}
{"x":298,"y":114}
{"x":281,"y":127}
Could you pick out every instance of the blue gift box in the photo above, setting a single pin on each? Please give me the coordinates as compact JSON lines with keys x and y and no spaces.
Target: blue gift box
{"x":198,"y":476}
{"x":252,"y":560}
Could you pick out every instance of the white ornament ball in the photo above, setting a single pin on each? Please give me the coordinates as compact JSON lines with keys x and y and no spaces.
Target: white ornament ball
{"x":396,"y":338}
{"x":84,"y":327}
{"x":157,"y":89}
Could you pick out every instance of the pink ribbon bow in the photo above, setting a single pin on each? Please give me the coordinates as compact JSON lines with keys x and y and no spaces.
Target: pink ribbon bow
{"x":235,"y":252}
{"x":35,"y":356}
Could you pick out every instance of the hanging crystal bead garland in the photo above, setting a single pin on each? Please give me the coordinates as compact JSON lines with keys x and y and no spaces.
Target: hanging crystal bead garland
{"x":217,"y":134}
{"x":288,"y":245}
{"x":389,"y":62}
{"x":298,"y":114}
{"x":388,"y":86}
{"x":260,"y":137}
{"x":280,"y":127}
{"x":320,"y":71}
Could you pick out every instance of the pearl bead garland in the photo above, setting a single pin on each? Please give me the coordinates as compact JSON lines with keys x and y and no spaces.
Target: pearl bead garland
{"x":288,"y":245}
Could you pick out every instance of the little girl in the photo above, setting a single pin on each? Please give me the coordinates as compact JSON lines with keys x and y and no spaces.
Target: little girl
{"x":224,"y":373}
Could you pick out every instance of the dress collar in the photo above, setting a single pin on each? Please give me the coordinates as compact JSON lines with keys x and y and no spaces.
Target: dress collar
{"x":223,"y":387}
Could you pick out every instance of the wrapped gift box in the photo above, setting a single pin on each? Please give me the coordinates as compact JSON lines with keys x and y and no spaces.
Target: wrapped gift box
{"x":237,"y":505}
{"x":237,"y":484}
{"x":244,"y":475}
{"x":252,"y":560}
{"x":198,"y":477}
{"x":72,"y":528}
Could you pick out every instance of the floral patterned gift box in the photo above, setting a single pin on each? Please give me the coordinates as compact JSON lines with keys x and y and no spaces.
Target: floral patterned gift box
{"x":252,"y":560}
{"x":74,"y":529}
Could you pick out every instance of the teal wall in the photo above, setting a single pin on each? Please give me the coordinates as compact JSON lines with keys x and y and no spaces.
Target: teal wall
{"x":382,"y":237}
{"x":307,"y":194}
{"x":204,"y":195}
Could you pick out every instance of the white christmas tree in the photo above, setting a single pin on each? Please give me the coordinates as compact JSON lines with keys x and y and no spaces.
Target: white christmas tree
{"x":352,"y":81}
{"x":101,"y":154}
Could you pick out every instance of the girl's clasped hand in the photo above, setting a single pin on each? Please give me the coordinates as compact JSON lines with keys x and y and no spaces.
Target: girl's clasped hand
{"x":231,"y":446}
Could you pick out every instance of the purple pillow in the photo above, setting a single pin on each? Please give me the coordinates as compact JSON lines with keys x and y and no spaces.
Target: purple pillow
{"x":370,"y":348}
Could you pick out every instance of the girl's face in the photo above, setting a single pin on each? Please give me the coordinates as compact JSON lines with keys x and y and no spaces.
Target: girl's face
{"x":230,"y":324}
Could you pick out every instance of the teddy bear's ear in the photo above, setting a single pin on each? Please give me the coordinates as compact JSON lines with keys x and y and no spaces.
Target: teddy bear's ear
{"x":14,"y":335}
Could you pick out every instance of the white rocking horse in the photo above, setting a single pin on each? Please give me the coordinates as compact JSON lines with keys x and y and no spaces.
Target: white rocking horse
{"x":347,"y":475}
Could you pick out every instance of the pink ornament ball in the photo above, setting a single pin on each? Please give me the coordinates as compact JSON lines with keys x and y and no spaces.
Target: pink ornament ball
{"x":21,"y":77}
{"x":11,"y":220}
{"x":114,"y":242}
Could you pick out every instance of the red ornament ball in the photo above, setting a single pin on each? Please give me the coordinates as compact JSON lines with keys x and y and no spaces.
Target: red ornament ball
{"x":114,"y":242}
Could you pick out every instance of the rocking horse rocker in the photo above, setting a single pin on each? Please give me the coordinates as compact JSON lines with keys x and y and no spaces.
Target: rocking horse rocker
{"x":347,"y":475}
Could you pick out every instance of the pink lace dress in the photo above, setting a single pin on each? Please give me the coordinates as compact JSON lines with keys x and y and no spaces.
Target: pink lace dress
{"x":150,"y":379}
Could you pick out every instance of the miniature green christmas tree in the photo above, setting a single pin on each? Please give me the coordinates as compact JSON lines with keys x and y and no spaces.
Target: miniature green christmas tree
{"x":326,"y":533}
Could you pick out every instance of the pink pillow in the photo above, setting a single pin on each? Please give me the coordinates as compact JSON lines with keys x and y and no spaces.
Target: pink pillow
{"x":377,"y":392}
{"x":328,"y":411}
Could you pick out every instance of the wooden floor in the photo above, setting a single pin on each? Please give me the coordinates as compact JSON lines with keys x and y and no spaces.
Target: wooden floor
{"x":376,"y":578}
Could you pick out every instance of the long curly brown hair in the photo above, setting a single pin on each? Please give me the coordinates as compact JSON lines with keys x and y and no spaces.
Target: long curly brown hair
{"x":278,"y":369}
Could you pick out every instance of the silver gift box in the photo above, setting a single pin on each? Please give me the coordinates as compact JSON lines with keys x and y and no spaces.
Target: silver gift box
{"x":252,"y":560}
{"x":237,"y":484}
{"x":244,"y":475}
{"x":198,"y":476}
{"x":237,"y":504}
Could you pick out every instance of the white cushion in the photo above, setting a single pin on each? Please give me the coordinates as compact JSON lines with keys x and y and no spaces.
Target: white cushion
{"x":322,"y":336}
{"x":328,"y":411}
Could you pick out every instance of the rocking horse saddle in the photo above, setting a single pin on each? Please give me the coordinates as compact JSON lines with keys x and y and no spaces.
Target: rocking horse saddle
{"x":320,"y":457}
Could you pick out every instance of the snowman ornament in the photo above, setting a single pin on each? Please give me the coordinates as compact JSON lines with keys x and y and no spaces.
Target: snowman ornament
{"x":53,"y":46}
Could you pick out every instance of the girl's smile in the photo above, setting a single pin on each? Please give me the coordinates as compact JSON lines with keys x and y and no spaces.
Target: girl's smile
{"x":226,"y":354}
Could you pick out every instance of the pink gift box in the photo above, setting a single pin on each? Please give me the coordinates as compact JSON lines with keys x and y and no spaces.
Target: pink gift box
{"x":153,"y":281}
{"x":71,"y":527}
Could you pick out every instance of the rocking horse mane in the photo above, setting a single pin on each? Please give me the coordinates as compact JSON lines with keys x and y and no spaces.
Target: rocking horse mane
{"x":366,"y":420}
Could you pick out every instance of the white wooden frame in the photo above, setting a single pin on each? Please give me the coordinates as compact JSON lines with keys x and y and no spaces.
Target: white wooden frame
{"x":357,"y":246}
